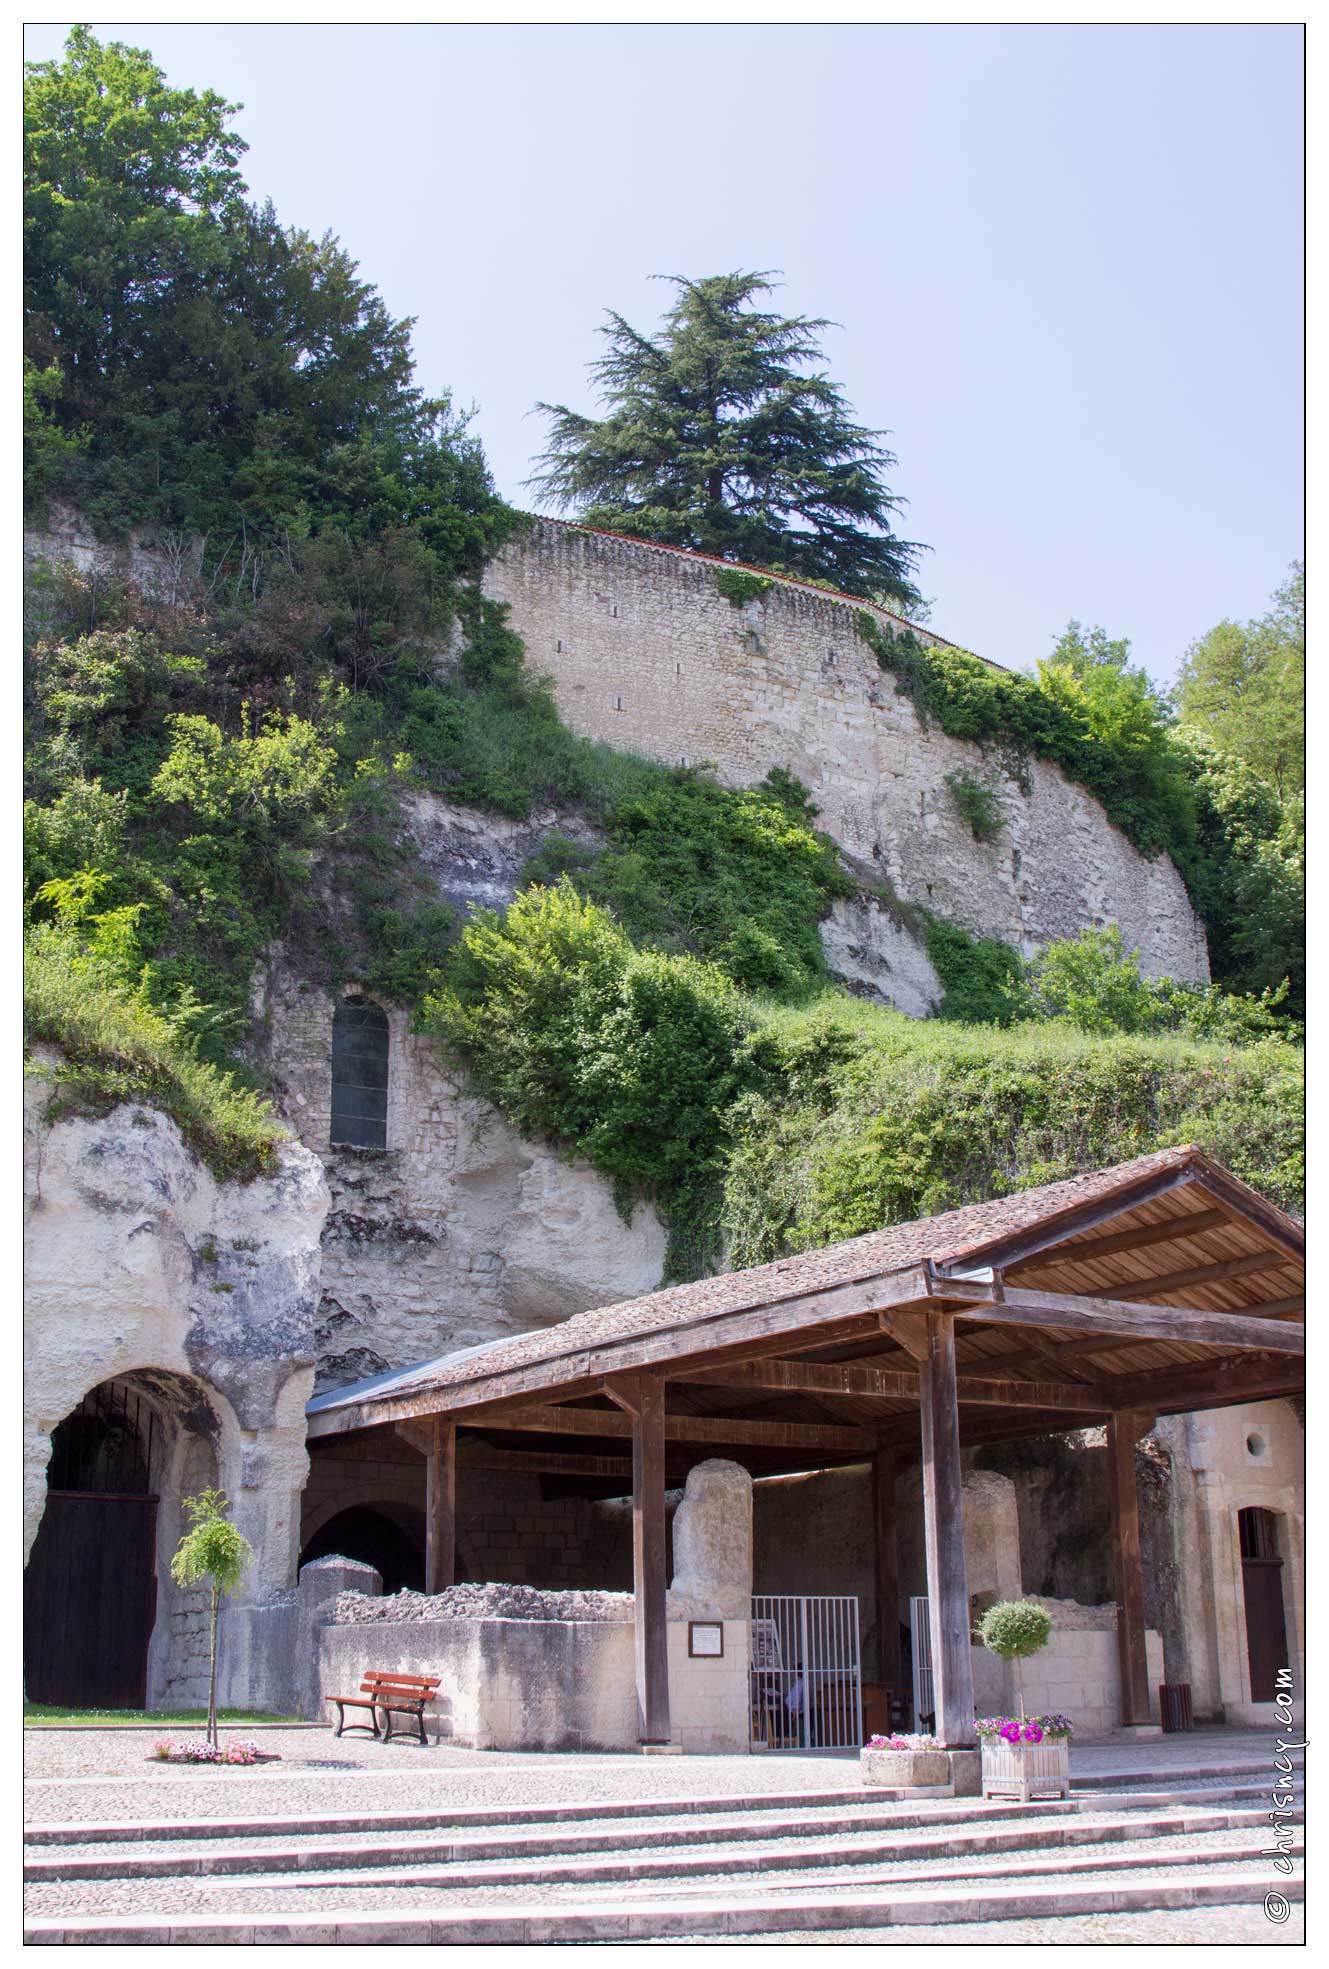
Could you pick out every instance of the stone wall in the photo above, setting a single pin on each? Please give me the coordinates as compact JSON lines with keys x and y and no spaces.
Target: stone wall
{"x":198,"y":1298}
{"x":459,"y":1231}
{"x":645,"y":653}
{"x":1223,"y":1462}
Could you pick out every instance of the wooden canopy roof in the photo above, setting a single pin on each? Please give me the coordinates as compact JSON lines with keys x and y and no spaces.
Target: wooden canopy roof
{"x":1161,"y":1286}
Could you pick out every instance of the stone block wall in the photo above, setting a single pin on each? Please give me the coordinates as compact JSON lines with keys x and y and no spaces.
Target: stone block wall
{"x":459,"y":1231}
{"x":646,"y":654}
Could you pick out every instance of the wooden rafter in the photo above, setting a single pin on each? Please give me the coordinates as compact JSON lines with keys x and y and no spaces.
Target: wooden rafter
{"x":861,"y":1380}
{"x":552,"y":1421}
{"x":1114,"y":1318}
{"x":1136,"y":1238}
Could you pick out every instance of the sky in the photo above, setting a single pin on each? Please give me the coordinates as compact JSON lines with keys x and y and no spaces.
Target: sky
{"x":1066,"y":262}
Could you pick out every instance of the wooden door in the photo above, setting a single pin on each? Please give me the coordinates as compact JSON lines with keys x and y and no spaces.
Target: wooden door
{"x":89,"y":1601}
{"x":1266,"y":1628}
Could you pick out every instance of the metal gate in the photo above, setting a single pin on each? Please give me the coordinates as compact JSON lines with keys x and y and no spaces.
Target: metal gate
{"x":920,"y":1636}
{"x":806,"y":1690}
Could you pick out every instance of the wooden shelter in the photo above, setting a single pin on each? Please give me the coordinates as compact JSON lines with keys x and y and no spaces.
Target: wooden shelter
{"x":1161,"y":1286}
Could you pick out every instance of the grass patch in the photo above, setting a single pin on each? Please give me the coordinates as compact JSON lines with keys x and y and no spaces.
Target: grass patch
{"x":115,"y":1048}
{"x":45,"y":1716}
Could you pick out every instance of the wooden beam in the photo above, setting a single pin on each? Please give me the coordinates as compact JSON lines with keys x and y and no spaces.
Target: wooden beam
{"x":736,"y":1430}
{"x":648,"y":1562}
{"x":908,"y":1330}
{"x":441,"y":1509}
{"x":1020,"y":1244}
{"x":807,"y":1320}
{"x":1278,"y":1308}
{"x":860,"y":1381}
{"x":1219,"y":1271}
{"x":1246,"y":1207}
{"x":943,"y":1535}
{"x":885,"y":1471}
{"x":1212,"y":1384}
{"x":1136,"y":1238}
{"x":543,"y":1462}
{"x":1118,"y":1319}
{"x":1124,"y":1431}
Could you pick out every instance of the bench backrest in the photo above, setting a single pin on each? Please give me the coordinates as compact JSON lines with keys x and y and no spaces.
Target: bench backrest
{"x":376,"y":1684}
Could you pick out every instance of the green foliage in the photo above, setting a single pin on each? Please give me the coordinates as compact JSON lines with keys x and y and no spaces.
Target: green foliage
{"x":1015,"y":1629}
{"x":740,"y":878}
{"x":739,"y":587}
{"x":622,"y":1056}
{"x":982,"y":978}
{"x":724,"y":434}
{"x":199,"y":366}
{"x":1244,"y":687}
{"x":856,"y":1117}
{"x":1102,"y":729}
{"x":1248,"y":873}
{"x":977,"y":804}
{"x":1093,"y":982}
{"x":115,"y":1047}
{"x":213,"y":1549}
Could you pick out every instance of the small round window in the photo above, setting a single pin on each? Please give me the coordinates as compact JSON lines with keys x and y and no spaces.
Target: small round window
{"x":1257,"y":1447}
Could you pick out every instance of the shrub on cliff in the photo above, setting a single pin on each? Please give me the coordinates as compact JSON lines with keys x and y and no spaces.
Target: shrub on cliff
{"x":113,"y":1047}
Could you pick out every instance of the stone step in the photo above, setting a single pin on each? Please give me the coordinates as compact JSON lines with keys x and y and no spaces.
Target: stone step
{"x":638,"y":1859}
{"x":313,"y":1824}
{"x":629,"y":1851}
{"x":541,"y":1923}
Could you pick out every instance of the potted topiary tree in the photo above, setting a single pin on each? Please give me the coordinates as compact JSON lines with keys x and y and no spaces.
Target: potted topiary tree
{"x":1022,"y":1756}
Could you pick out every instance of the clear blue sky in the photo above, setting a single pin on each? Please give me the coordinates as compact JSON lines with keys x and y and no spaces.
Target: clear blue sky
{"x":1067,"y":261}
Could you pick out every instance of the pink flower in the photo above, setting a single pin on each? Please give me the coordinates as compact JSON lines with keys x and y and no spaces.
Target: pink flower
{"x":1032,"y":1733}
{"x":1011,"y":1732}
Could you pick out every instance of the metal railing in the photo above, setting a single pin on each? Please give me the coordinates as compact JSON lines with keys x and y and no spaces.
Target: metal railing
{"x":806,"y":1674}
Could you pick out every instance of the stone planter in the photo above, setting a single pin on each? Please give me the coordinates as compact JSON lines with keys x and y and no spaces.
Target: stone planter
{"x":905,"y":1770}
{"x":1026,"y":1770}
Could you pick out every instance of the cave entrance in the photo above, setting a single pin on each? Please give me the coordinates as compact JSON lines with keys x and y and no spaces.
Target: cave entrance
{"x":90,"y":1589}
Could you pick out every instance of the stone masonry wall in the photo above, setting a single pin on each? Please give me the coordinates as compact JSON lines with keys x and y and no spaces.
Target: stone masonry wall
{"x":645,"y":653}
{"x":457,"y":1233}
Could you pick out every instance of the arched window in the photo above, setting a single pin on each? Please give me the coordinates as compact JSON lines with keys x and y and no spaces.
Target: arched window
{"x":360,"y":1075}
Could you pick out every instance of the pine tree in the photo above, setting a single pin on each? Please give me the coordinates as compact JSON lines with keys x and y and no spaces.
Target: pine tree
{"x":724,"y":434}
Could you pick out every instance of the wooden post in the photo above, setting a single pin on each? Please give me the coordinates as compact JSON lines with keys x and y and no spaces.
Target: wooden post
{"x":645,"y":1403}
{"x":1123,"y":1432}
{"x":943,"y":1529}
{"x":441,"y":1508}
{"x":885,"y":1469}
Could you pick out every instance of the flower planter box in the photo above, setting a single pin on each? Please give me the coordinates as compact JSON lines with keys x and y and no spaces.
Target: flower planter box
{"x":1026,"y":1770}
{"x":905,"y":1770}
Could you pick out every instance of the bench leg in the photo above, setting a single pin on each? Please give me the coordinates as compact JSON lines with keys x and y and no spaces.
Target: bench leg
{"x":341,"y":1718}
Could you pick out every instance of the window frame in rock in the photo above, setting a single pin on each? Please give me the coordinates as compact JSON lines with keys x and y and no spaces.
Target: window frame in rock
{"x":368,"y":1092}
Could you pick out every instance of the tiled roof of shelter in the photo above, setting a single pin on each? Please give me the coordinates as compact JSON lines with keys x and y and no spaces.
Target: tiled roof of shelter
{"x":954,"y":1238}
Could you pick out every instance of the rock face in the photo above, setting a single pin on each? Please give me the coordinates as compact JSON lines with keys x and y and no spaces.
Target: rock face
{"x":489,"y":1602}
{"x":876,"y":953}
{"x":646,"y":654}
{"x":713,"y":1544}
{"x":459,"y":1231}
{"x":197,"y":1301}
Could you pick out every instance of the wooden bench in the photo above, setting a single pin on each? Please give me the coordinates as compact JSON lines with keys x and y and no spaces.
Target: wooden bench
{"x":395,"y":1695}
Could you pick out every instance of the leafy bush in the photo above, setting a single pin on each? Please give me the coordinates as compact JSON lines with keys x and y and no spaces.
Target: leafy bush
{"x":977,"y":804}
{"x":982,"y":978}
{"x":625,"y":1057}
